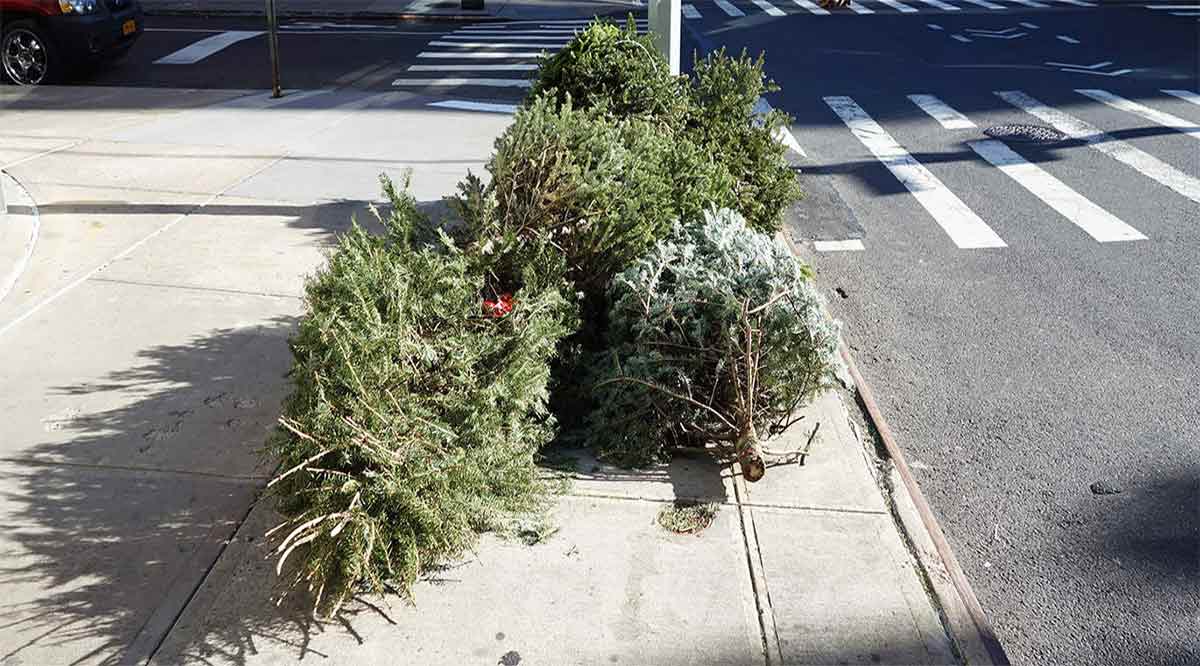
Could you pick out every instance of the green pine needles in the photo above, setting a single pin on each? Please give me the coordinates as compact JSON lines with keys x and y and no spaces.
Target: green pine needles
{"x":415,"y":414}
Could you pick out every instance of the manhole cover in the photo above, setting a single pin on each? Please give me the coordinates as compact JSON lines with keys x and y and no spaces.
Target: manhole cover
{"x":1025,"y":133}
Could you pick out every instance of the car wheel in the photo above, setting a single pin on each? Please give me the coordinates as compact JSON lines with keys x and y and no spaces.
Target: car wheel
{"x":26,"y":56}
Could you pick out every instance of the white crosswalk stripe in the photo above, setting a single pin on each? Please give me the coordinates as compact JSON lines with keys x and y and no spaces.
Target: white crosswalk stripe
{"x":812,"y":7}
{"x":690,"y":11}
{"x":964,"y":227}
{"x":1154,"y":116}
{"x":898,"y":6}
{"x":859,"y":9}
{"x":769,"y":8}
{"x":1135,"y":158}
{"x":729,"y":8}
{"x":1094,"y":220}
{"x":941,"y":112}
{"x":1185,"y":95}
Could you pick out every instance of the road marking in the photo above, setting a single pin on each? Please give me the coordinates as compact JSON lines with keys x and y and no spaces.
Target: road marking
{"x":852,"y":245}
{"x":964,"y":40}
{"x":1064,"y":38}
{"x":477,"y":54}
{"x":769,"y":8}
{"x":985,"y":4}
{"x":485,"y":83}
{"x":1078,"y":209}
{"x":1146,"y":164}
{"x":958,"y":221}
{"x":1172,"y":6}
{"x":812,"y":7}
{"x":463,"y":105}
{"x":515,"y":38}
{"x":941,"y":112}
{"x":859,"y":9}
{"x":1030,"y":3}
{"x":204,"y":48}
{"x":1185,"y":13}
{"x":1030,"y":26}
{"x":690,"y":11}
{"x":473,"y":68}
{"x":898,"y":6}
{"x":554,"y":46}
{"x":944,"y":6}
{"x":1185,"y":95}
{"x":1077,"y":3}
{"x":1165,"y":119}
{"x":934,"y":26}
{"x":729,"y":9}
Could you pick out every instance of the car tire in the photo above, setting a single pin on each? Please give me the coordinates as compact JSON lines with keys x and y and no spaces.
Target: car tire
{"x":27,"y":56}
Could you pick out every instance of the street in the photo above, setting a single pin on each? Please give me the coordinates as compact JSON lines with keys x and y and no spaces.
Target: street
{"x":1009,"y":229}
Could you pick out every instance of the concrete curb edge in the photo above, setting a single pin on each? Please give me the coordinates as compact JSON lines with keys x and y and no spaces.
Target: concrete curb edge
{"x":969,"y":626}
{"x":7,"y":282}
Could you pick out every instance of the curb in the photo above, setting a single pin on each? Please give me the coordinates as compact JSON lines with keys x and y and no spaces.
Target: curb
{"x":19,"y":213}
{"x":969,"y":626}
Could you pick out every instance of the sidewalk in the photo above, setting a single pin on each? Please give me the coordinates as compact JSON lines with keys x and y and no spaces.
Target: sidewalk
{"x":144,"y":348}
{"x":402,"y":9}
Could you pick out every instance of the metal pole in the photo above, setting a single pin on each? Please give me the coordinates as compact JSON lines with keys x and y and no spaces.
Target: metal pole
{"x":666,"y":25}
{"x":273,"y":43}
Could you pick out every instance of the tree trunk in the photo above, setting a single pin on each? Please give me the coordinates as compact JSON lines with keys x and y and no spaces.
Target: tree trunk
{"x":749,"y":454}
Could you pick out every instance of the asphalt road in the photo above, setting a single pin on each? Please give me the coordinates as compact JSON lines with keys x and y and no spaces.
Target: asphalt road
{"x":1042,"y":381}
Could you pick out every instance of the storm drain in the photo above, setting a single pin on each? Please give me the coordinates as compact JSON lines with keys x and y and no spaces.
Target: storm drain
{"x":1025,"y":133}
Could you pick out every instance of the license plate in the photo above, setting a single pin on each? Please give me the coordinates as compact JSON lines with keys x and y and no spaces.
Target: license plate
{"x":128,"y":28}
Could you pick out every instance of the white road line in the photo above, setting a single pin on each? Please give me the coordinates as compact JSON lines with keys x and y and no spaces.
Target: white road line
{"x":473,"y":68}
{"x":202,"y":49}
{"x":859,"y":9}
{"x":486,"y":83}
{"x":543,"y":34}
{"x":852,"y":245}
{"x":1143,"y":162}
{"x":477,"y":54}
{"x":812,"y":7}
{"x":463,"y":105}
{"x":958,"y":221}
{"x":985,"y":4}
{"x":964,"y":40}
{"x":1185,"y":13}
{"x":1030,"y":26}
{"x":1077,"y":3}
{"x":553,"y":46}
{"x":690,"y":11}
{"x":1172,"y":6}
{"x":1185,"y":95}
{"x":769,"y":8}
{"x":516,"y":38}
{"x":934,"y":26}
{"x":729,"y":9}
{"x":1030,"y":3}
{"x":1064,"y":38}
{"x":1121,"y":104}
{"x":1094,"y":220}
{"x":898,"y":6}
{"x":944,"y":6}
{"x":941,"y":112}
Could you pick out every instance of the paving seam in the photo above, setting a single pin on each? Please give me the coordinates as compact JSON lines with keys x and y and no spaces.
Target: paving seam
{"x":749,"y":504}
{"x":772,"y":650}
{"x":188,"y":287}
{"x":133,"y":468}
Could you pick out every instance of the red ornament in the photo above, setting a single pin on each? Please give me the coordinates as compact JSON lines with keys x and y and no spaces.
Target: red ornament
{"x":499,"y":307}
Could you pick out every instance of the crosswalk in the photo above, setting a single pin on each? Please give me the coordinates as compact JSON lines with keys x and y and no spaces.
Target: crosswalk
{"x":1176,"y":9}
{"x":493,"y":56}
{"x":698,"y":9}
{"x":964,"y":227}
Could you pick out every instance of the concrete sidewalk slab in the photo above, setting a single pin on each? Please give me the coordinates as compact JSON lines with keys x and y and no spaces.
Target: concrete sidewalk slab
{"x":20,"y":225}
{"x":834,"y":475}
{"x":148,"y":377}
{"x":608,"y":587}
{"x":241,"y":245}
{"x":98,"y":562}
